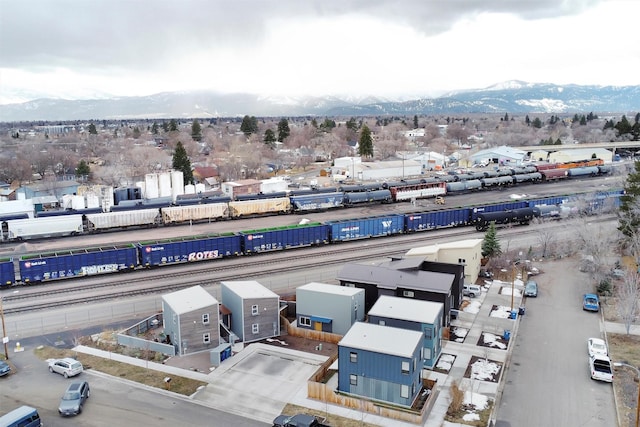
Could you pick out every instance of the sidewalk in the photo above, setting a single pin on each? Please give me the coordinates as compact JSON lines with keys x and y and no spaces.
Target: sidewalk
{"x":619,"y":328}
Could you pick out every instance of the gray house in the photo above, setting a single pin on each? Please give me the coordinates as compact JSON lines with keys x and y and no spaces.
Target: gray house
{"x":404,"y":278}
{"x":381,"y":363}
{"x":328,"y":308}
{"x":415,"y":315}
{"x":254,"y":310}
{"x":191,"y":320}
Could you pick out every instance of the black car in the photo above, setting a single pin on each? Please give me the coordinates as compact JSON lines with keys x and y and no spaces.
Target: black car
{"x":74,"y":398}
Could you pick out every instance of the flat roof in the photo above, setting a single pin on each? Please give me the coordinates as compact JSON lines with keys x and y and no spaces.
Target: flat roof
{"x":382,"y":339}
{"x":331,"y":289}
{"x":407,"y":309}
{"x":190,"y":299}
{"x":249,"y":289}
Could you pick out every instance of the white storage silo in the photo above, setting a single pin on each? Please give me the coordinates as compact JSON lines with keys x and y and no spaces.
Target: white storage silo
{"x":151,"y":186}
{"x":189,"y":189}
{"x":200,"y":188}
{"x":67,"y":201}
{"x":77,"y":202}
{"x":164,"y":184}
{"x":177,"y":184}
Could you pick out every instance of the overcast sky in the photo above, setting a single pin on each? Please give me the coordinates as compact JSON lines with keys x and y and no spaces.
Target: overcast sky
{"x":401,"y":49}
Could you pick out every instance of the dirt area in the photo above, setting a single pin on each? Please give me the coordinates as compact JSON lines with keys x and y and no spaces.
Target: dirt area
{"x":302,"y":344}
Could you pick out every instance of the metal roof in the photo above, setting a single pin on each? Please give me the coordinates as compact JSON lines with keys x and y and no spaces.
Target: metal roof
{"x":385,"y":275}
{"x":382,"y":339}
{"x":190,"y":299}
{"x":330,"y":289}
{"x":249,"y":289}
{"x":426,"y":312}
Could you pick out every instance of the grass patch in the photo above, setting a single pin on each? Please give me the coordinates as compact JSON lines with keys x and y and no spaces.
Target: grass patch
{"x":149,"y":377}
{"x":331,"y":419}
{"x":625,"y":348}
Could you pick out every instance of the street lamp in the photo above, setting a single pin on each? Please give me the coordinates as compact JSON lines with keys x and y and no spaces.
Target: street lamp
{"x":637,"y":379}
{"x":5,"y":339}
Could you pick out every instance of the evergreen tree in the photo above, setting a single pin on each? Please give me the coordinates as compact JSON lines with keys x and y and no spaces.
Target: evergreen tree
{"x":154,"y":128}
{"x":608,"y":125}
{"x":629,"y":219}
{"x":165,"y":126}
{"x":82,"y":169}
{"x":136,"y":132}
{"x":537,"y":123}
{"x":270,"y":138}
{"x":249,"y":125}
{"x":283,"y":130}
{"x":490,"y":243}
{"x":506,"y":117}
{"x":583,"y":120}
{"x":527,"y":120}
{"x":314,"y":123}
{"x":327,"y":125}
{"x":182,"y":163}
{"x":415,"y":121}
{"x":365,"y":144}
{"x":92,"y":129}
{"x":173,"y":126}
{"x":196,"y":131}
{"x":352,"y":124}
{"x":623,"y":126}
{"x":575,"y":119}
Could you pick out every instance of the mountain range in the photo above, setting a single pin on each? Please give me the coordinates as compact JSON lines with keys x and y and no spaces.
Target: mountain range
{"x":513,"y":97}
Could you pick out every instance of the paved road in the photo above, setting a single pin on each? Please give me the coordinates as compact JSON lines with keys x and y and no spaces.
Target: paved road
{"x":548,"y":383}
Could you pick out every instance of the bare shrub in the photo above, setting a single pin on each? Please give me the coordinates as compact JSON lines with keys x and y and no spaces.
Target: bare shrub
{"x":457,"y":398}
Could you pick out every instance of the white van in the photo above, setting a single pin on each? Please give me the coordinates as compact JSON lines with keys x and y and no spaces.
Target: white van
{"x":471,"y":290}
{"x":24,"y":416}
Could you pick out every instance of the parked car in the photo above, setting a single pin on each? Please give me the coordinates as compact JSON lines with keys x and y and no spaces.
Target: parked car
{"x":66,"y":367}
{"x":73,"y":399}
{"x":5,"y":369}
{"x":531,"y":289}
{"x":298,"y":420}
{"x":591,"y":302}
{"x":600,"y":367}
{"x":471,"y":290}
{"x":597,"y":346}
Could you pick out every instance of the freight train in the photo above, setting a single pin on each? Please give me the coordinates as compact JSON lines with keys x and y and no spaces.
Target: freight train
{"x":189,"y":209}
{"x":66,"y":264}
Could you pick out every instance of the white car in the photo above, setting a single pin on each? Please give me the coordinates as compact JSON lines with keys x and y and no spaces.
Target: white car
{"x":601,"y":368}
{"x":596,"y":346}
{"x":66,"y":367}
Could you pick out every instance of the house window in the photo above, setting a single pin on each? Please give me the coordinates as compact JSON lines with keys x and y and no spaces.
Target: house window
{"x":305,"y":321}
{"x":381,"y":322}
{"x":404,"y":391}
{"x":205,"y":319}
{"x":353,"y":379}
{"x":254,"y":310}
{"x":426,"y":353}
{"x":407,"y":294}
{"x":255,"y":328}
{"x":427,"y":333}
{"x":405,"y":368}
{"x":206,"y":338}
{"x":353,"y":357}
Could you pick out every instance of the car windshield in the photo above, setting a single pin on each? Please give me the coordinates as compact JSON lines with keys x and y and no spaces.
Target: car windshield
{"x":591,"y":300}
{"x":598,"y":346}
{"x":71,"y":395}
{"x":75,"y":365}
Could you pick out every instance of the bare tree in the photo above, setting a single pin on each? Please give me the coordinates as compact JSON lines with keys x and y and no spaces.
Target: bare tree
{"x":627,"y":293}
{"x":546,"y":238}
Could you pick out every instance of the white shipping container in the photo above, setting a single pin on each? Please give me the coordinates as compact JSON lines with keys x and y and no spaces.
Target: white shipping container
{"x":274,"y":185}
{"x":103,"y":221}
{"x":67,"y":201}
{"x":164,"y":184}
{"x":53,"y":226}
{"x":200,"y":188}
{"x":189,"y":189}
{"x":260,"y":206}
{"x":151,"y":186}
{"x":209,"y":211}
{"x":77,"y":202}
{"x":92,"y":200}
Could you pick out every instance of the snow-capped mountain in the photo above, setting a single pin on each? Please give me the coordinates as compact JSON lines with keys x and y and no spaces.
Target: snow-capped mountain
{"x":508,"y":97}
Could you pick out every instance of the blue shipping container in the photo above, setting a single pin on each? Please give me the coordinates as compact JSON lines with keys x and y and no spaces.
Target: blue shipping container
{"x":7,"y":275}
{"x":366,"y":227}
{"x":273,"y":239}
{"x":189,"y":249}
{"x":437,"y":219}
{"x":81,"y":262}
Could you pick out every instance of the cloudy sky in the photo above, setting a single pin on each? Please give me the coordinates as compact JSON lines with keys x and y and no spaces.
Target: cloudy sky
{"x":395,"y":48}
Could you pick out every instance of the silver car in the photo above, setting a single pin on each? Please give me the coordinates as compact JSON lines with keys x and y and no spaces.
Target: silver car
{"x":66,"y":367}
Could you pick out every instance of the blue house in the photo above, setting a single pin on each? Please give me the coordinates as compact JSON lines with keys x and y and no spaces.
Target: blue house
{"x":380,"y":363}
{"x":415,"y":315}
